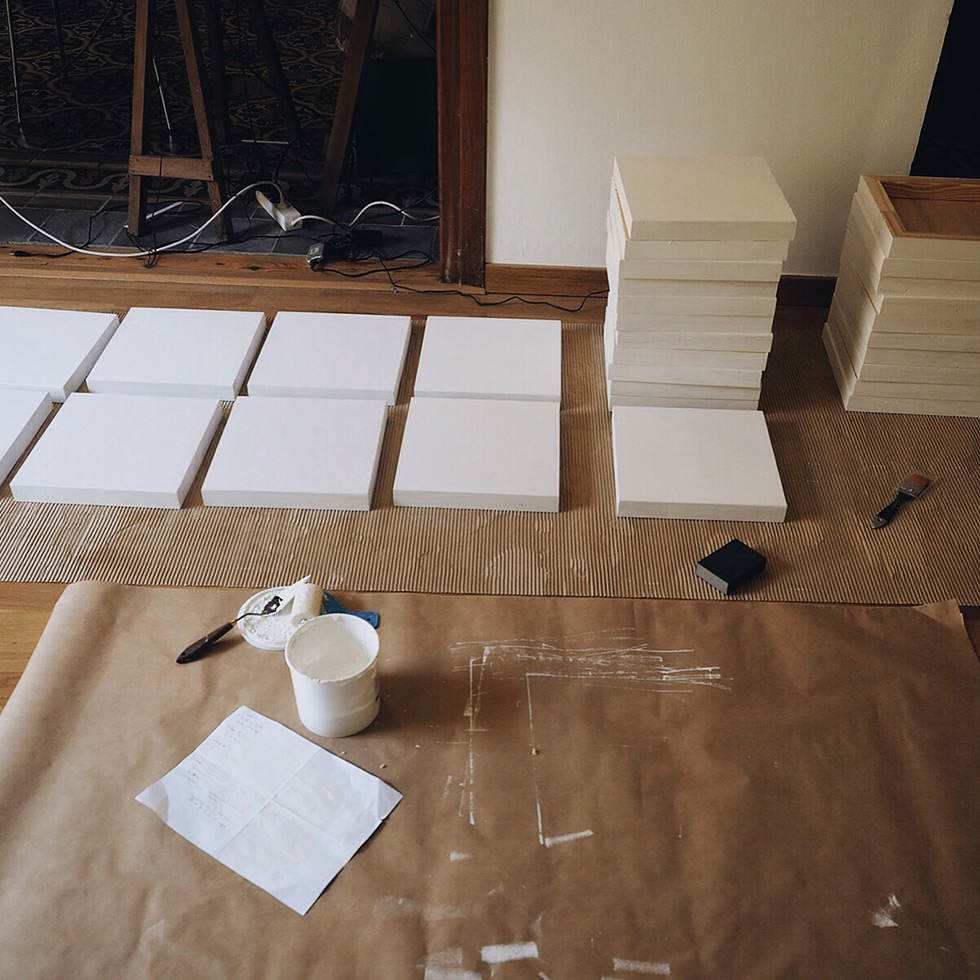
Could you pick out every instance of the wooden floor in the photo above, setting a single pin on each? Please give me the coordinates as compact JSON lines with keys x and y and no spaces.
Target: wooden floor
{"x":272,"y":283}
{"x":24,"y":610}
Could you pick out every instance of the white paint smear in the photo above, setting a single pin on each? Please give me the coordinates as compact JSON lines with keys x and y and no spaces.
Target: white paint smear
{"x":445,"y":957}
{"x":449,"y":973}
{"x":641,"y":966}
{"x":884,"y":918}
{"x":447,"y":964}
{"x":392,"y":907}
{"x":458,"y":856}
{"x":505,"y":952}
{"x":565,"y":838}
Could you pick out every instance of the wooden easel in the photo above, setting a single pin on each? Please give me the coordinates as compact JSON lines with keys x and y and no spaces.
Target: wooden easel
{"x":205,"y":168}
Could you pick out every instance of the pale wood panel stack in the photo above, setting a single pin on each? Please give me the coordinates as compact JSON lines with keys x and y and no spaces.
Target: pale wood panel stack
{"x":694,"y":253}
{"x":903,"y":334}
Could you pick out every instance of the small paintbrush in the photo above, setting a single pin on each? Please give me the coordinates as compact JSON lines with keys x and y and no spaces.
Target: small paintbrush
{"x":910,"y":488}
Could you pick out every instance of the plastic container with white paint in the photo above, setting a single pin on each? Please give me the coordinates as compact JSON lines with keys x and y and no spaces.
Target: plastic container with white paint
{"x":332,"y":661}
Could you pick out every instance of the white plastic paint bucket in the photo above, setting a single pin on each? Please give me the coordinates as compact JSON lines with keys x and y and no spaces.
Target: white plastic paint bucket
{"x":332,"y":660}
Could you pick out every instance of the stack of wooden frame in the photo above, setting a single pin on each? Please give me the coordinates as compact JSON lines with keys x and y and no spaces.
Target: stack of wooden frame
{"x":903,"y":334}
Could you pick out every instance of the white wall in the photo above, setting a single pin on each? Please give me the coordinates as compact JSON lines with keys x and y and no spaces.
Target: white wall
{"x":824,"y":89}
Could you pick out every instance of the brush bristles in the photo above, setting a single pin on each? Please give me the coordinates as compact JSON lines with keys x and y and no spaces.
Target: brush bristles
{"x":913,"y":484}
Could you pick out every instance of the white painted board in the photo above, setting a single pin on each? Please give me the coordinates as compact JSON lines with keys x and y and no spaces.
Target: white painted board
{"x":490,"y":357}
{"x":619,"y":267}
{"x":22,"y":413}
{"x":497,"y":454}
{"x":332,"y":355}
{"x":657,"y":390}
{"x":51,"y":350}
{"x":695,"y":340}
{"x":640,"y":401}
{"x":720,"y":306}
{"x":200,"y":353}
{"x":297,"y":452}
{"x":689,"y":359}
{"x":648,"y":322}
{"x":702,"y":197}
{"x":676,"y":374}
{"x":697,"y":464}
{"x":127,"y":450}
{"x":678,"y":249}
{"x":692,"y":287}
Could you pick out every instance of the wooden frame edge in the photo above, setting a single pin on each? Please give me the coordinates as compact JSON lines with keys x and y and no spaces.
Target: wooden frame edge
{"x":462,"y":45}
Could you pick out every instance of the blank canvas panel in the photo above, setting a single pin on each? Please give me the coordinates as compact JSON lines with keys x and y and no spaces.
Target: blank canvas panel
{"x":201,"y":353}
{"x":22,"y":413}
{"x":497,"y":454}
{"x":702,"y":464}
{"x":490,"y":357}
{"x":50,"y":349}
{"x":297,"y":452}
{"x":702,"y":198}
{"x":332,"y":355}
{"x":127,"y":450}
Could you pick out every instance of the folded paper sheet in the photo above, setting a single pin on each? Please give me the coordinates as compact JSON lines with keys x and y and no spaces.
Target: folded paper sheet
{"x":282,"y":812}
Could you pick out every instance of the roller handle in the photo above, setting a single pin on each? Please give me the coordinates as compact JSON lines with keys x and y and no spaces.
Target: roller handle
{"x":198,"y":647}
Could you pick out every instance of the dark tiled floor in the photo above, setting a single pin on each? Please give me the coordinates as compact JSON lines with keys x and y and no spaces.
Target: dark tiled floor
{"x":95,"y":222}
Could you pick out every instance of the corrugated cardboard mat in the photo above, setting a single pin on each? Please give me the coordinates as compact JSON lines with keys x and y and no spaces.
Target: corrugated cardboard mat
{"x":592,"y":788}
{"x":838,"y":469}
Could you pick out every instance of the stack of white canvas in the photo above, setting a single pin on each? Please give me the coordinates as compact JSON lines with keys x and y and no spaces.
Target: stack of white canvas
{"x":903,"y":333}
{"x":694,"y":253}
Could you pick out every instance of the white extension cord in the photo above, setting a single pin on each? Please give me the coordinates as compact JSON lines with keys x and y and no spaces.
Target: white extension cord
{"x":285,"y":215}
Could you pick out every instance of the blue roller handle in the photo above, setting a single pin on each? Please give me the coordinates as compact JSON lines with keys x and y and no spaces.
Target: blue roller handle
{"x":332,"y":605}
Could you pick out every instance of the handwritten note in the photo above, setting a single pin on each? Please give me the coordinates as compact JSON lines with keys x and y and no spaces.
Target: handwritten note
{"x":272,"y":806}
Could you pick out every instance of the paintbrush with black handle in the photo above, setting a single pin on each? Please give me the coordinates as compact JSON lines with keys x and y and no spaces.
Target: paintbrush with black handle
{"x":910,"y":488}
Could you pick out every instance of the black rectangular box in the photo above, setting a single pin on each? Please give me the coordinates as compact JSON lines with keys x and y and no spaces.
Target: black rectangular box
{"x":730,"y":566}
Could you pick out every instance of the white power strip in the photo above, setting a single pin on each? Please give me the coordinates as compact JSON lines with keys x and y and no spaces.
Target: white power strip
{"x":285,"y":215}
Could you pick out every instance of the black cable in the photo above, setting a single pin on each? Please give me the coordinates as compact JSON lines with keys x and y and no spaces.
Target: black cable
{"x":396,"y":286}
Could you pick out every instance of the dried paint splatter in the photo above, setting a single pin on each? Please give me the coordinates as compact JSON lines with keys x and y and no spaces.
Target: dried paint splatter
{"x":884,"y":918}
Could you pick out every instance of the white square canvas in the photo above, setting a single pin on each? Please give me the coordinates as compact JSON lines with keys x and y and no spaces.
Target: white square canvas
{"x":704,"y":197}
{"x":701,"y":464}
{"x":22,"y":413}
{"x":199,"y":353}
{"x":679,"y":248}
{"x":128,"y":450}
{"x":332,"y":355}
{"x":497,"y":454}
{"x":297,"y":452}
{"x":490,"y":357}
{"x":50,"y":349}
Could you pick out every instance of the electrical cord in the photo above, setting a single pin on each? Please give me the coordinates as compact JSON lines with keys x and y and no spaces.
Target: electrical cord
{"x":389,"y":271}
{"x":387,"y":204}
{"x":142,"y":252}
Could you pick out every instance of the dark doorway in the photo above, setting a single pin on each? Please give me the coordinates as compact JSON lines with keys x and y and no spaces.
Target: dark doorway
{"x":949,"y":143}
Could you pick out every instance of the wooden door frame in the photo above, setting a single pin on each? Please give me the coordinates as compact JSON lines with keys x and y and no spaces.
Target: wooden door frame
{"x":462,"y":47}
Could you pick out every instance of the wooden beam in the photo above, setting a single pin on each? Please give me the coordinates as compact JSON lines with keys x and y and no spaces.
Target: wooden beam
{"x":338,"y":139}
{"x":462,"y":33}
